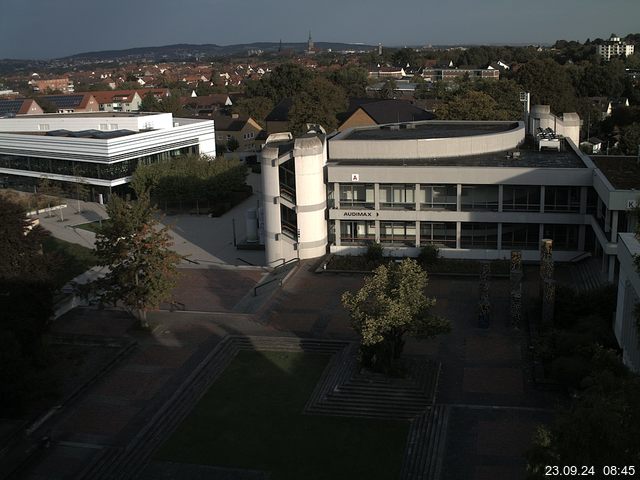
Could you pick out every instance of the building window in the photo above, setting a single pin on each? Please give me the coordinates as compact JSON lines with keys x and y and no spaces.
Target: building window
{"x":287,"y":174}
{"x":438,"y":197}
{"x":398,"y":197}
{"x":398,"y":233}
{"x":354,"y":195}
{"x":357,"y":233}
{"x":565,"y":237}
{"x":516,"y":198}
{"x":439,"y":234}
{"x":289,"y":222}
{"x":520,"y":236}
{"x":479,"y":197}
{"x":479,"y":235}
{"x":562,"y":199}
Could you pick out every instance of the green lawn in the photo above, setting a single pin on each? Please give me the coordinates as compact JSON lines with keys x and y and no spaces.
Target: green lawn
{"x":92,"y":226}
{"x":251,"y":417}
{"x":72,"y":259}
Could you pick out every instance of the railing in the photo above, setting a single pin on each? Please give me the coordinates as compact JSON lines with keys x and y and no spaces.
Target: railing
{"x":255,"y":289}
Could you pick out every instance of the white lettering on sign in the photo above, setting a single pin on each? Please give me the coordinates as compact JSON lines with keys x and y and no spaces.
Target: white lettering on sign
{"x":632,"y":204}
{"x":355,"y":177}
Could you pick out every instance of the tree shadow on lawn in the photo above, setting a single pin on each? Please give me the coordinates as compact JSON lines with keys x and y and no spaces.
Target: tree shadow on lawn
{"x":251,"y":418}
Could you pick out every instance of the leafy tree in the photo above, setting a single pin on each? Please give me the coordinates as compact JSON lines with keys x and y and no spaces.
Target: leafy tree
{"x":26,"y":303}
{"x":630,"y":139}
{"x":472,"y":105}
{"x":388,"y":89}
{"x":549,"y":84}
{"x":47,"y":105}
{"x":232,"y":144}
{"x":142,"y":270}
{"x":255,"y":107}
{"x":149,"y":103}
{"x":352,"y":79}
{"x":406,"y":56}
{"x":320,"y":102}
{"x":286,"y":80}
{"x":390,"y":305}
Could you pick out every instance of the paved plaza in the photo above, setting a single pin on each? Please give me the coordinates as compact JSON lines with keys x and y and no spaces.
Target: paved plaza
{"x":484,"y":380}
{"x":484,"y":385}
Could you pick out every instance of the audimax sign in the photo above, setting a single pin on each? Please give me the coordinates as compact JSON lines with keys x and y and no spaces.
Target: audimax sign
{"x":360,"y":214}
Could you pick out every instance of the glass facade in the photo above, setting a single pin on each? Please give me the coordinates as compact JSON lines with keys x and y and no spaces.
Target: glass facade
{"x":78,"y":168}
{"x":562,"y":199}
{"x":441,"y":234}
{"x":355,"y":195}
{"x":520,"y":198}
{"x":479,"y":197}
{"x":565,"y":237}
{"x":479,"y":235}
{"x":398,"y":197}
{"x":438,"y":197}
{"x":357,"y":232}
{"x":520,"y":236}
{"x":398,"y":233}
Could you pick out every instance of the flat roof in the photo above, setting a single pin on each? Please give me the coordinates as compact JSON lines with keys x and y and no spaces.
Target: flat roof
{"x":523,"y":158}
{"x":428,"y":130}
{"x":623,"y":172}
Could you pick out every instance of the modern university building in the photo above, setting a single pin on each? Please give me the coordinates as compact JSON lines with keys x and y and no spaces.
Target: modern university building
{"x":99,"y":149}
{"x":475,"y":189}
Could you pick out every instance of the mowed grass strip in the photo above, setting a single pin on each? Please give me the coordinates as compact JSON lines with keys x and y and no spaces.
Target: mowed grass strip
{"x":93,"y":226}
{"x":251,"y":418}
{"x":71,"y":259}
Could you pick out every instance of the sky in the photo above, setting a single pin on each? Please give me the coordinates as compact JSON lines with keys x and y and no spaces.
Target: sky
{"x":42,"y":29}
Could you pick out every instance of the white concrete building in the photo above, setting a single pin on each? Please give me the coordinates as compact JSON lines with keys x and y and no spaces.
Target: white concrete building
{"x":614,"y":47}
{"x":474,"y":189}
{"x":626,"y":323}
{"x":99,"y":149}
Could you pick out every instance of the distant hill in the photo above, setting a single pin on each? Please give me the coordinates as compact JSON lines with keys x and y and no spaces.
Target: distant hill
{"x":183,"y":50}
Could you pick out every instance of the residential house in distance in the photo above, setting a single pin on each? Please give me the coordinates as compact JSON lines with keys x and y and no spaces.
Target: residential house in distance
{"x":73,"y":103}
{"x":118,"y":100}
{"x":614,"y":47}
{"x":63,"y":85}
{"x":244,"y":129}
{"x":19,"y":106}
{"x":364,"y":112}
{"x":387,"y":72}
{"x":207,"y":105}
{"x":449,"y":74}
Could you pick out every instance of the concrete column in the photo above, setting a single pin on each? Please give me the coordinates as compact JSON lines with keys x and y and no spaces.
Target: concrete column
{"x":458,"y":229}
{"x":614,"y":226}
{"x":458,"y":198}
{"x":541,"y":202}
{"x":417,"y":234}
{"x":607,"y":220}
{"x":612,"y":268}
{"x":500,"y":231}
{"x":417,"y":197}
{"x":583,"y":200}
{"x":541,"y":232}
{"x":336,"y":195}
{"x":337,"y":230}
{"x":376,"y":197}
{"x":500,"y":197}
{"x":581,"y":237}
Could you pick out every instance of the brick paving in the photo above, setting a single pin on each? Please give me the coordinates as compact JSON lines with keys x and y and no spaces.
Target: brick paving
{"x":482,"y":368}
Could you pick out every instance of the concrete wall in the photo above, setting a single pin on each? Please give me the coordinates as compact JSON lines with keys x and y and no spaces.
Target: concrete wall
{"x":625,"y":327}
{"x":427,"y":147}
